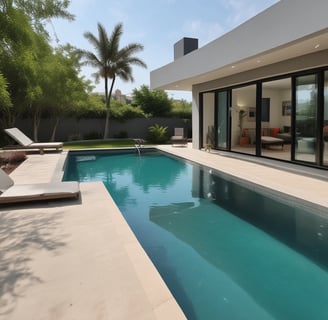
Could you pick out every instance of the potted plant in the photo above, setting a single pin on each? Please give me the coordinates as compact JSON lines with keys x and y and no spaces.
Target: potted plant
{"x":210,"y":138}
{"x":243,"y":138}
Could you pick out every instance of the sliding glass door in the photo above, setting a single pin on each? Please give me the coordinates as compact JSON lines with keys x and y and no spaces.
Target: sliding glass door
{"x":293,"y":125}
{"x":325,"y":120}
{"x":276,"y":129}
{"x":215,"y":121}
{"x":243,"y":119}
{"x":306,"y":118}
{"x":222,"y":107}
{"x":208,"y":136}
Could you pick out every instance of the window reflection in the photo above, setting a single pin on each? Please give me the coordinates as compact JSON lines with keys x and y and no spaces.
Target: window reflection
{"x":306,"y":118}
{"x":208,"y":119}
{"x":325,"y":122}
{"x":222,"y":108}
{"x":276,"y":129}
{"x":243,"y":116}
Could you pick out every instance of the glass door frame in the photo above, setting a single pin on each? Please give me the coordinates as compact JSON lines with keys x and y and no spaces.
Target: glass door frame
{"x":227,"y":119}
{"x":319,"y":148}
{"x":318,"y":152}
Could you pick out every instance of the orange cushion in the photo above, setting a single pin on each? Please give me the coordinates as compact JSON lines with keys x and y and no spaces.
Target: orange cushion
{"x":274,"y":132}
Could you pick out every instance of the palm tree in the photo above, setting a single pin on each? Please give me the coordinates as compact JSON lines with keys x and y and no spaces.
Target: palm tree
{"x":111,"y":61}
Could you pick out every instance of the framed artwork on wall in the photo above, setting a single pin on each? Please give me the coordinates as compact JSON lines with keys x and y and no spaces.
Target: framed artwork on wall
{"x":251,"y":113}
{"x":286,"y":108}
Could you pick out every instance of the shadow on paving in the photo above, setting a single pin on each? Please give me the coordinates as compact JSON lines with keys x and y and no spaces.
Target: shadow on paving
{"x":21,"y":230}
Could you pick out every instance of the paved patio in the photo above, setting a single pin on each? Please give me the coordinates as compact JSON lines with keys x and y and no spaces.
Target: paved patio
{"x":74,"y":259}
{"x":80,"y":260}
{"x":284,"y":180}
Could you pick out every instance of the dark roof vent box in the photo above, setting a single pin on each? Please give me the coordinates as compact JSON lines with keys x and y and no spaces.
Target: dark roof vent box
{"x":185,"y":46}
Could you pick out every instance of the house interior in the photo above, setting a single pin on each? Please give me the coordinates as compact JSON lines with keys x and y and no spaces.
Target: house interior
{"x":276,"y":119}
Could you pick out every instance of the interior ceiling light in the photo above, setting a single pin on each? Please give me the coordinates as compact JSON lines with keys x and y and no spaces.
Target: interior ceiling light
{"x":317,"y":46}
{"x":232,"y":67}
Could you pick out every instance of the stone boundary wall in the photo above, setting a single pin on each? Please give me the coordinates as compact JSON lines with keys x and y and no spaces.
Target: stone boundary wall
{"x":134,"y":128}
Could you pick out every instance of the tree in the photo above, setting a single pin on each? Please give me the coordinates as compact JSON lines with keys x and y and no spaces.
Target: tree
{"x":63,"y":89}
{"x":24,"y":45}
{"x":40,"y":56}
{"x":17,"y":47}
{"x":5,"y":101}
{"x":154,"y":103}
{"x":39,"y":11}
{"x":111,"y":61}
{"x":181,"y":109}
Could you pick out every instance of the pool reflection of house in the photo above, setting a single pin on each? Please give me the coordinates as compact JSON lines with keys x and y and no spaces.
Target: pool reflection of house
{"x":273,"y":68}
{"x":225,"y":229}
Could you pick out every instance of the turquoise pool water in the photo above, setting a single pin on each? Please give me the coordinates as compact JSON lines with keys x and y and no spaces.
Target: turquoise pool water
{"x":225,"y":251}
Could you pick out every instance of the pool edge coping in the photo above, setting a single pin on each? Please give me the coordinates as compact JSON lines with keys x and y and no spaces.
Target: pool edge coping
{"x":164,"y":308}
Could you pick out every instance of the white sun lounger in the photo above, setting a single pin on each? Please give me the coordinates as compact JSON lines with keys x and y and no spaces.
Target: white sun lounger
{"x":27,"y":143}
{"x":11,"y":193}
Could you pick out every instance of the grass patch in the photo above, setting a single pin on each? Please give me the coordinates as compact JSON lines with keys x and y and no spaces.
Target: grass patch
{"x":91,"y":144}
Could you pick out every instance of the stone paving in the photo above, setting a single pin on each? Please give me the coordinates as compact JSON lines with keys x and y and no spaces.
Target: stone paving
{"x":80,"y":260}
{"x":75,"y":259}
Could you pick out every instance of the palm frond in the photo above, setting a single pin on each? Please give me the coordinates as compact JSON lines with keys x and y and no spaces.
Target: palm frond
{"x":109,"y":59}
{"x":114,"y":40}
{"x":124,"y":71}
{"x":132,"y":48}
{"x":103,"y":43}
{"x":92,"y":39}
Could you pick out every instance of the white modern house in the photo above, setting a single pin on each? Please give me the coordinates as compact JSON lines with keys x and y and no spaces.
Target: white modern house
{"x":261,"y":89}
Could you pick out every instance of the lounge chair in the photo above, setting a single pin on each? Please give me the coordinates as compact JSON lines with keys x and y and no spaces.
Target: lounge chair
{"x":179,"y":137}
{"x":27,"y":143}
{"x":11,"y":193}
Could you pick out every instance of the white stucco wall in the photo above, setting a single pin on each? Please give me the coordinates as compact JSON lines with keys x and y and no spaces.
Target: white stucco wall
{"x":195,"y":120}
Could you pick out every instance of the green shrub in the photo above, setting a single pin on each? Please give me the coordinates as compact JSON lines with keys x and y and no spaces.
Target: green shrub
{"x":157,"y":134}
{"x":154,"y":103}
{"x":181,"y":109}
{"x":125,"y":112}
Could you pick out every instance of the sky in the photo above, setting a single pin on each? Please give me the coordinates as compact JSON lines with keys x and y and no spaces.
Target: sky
{"x":157,"y":25}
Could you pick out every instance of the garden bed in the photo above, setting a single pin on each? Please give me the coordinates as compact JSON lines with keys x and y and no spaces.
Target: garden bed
{"x":10,"y":160}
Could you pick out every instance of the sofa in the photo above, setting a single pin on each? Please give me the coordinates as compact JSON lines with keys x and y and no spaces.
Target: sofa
{"x":285,"y":134}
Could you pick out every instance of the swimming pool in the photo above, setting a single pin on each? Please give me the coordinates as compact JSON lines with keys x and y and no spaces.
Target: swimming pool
{"x":225,"y":251}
